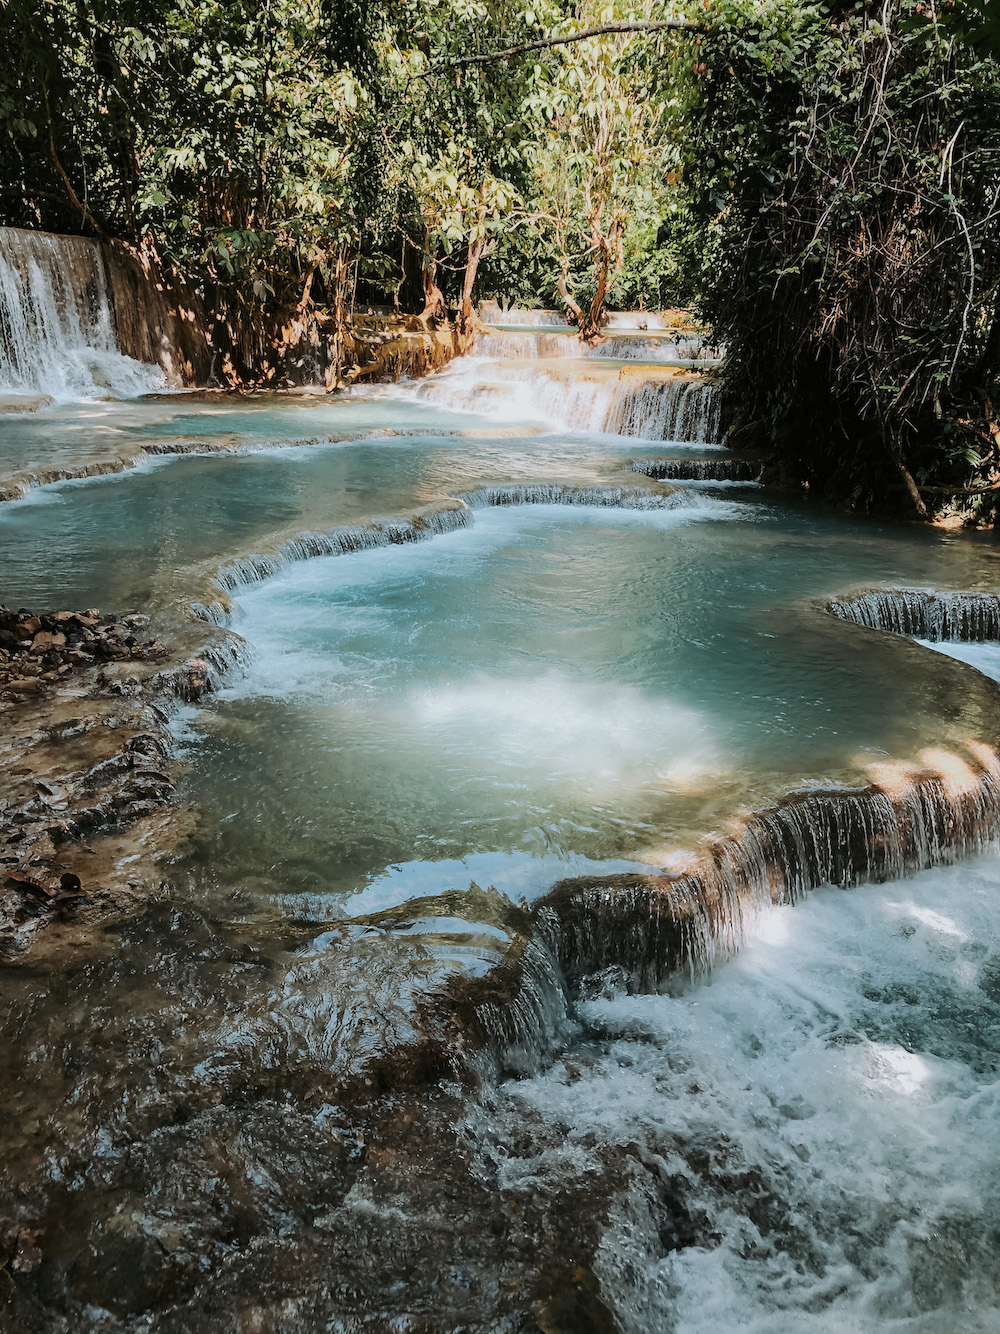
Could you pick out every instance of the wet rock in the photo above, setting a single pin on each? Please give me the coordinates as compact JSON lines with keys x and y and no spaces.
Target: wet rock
{"x":47,"y":639}
{"x":54,"y":646}
{"x":81,"y":767}
{"x":28,"y":686}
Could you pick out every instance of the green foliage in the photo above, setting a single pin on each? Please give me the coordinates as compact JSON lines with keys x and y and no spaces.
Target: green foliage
{"x":846,"y":196}
{"x":237,"y":132}
{"x":275,"y":151}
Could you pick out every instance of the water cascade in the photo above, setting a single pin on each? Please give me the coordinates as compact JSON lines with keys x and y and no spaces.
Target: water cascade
{"x":924,"y":613}
{"x":448,"y":517}
{"x":499,"y":345}
{"x":492,"y":313}
{"x":656,"y":929}
{"x":697,"y":470}
{"x":518,"y":317}
{"x":641,"y":402}
{"x":57,"y":332}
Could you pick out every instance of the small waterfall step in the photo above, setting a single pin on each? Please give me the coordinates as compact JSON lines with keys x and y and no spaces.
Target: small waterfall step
{"x":969,"y":617}
{"x":697,"y":470}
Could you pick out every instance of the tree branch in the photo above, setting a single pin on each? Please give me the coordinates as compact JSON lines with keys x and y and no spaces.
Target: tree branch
{"x":632,"y":25}
{"x":74,"y":198}
{"x":959,"y":490}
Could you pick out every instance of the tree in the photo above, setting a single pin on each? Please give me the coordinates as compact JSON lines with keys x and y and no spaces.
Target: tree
{"x":846,"y":193}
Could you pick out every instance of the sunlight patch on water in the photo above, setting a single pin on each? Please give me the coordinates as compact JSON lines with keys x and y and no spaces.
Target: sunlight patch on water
{"x":604,"y":739}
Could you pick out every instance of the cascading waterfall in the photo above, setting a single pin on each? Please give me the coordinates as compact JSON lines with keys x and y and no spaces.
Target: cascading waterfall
{"x":606,"y":497}
{"x":57,"y":332}
{"x":697,"y":470}
{"x":671,"y":409}
{"x":653,"y":406}
{"x":492,"y":313}
{"x":501,"y":346}
{"x":445,"y":518}
{"x":659,"y":932}
{"x":655,"y":928}
{"x":923,"y":613}
{"x":340,"y":541}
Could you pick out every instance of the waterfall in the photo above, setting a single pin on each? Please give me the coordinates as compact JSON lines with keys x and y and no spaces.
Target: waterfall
{"x":924,"y":613}
{"x":339,"y":541}
{"x":57,"y":331}
{"x":653,"y":405}
{"x":658,"y":932}
{"x":671,"y":409}
{"x":607,"y":497}
{"x":656,"y":927}
{"x":491,"y":313}
{"x":635,"y":319}
{"x":445,"y":518}
{"x":696,"y":470}
{"x":204,"y":672}
{"x":502,"y":345}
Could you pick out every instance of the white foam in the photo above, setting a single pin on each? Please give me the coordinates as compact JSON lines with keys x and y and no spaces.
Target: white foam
{"x":659,"y":408}
{"x":828,"y":1108}
{"x":984,"y":657}
{"x":57,"y":332}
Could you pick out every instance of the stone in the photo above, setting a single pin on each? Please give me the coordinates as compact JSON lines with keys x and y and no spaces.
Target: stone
{"x":45,"y":640}
{"x":12,"y":403}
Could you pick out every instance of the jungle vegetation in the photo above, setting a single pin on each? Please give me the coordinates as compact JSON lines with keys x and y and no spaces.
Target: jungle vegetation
{"x":819,"y":181}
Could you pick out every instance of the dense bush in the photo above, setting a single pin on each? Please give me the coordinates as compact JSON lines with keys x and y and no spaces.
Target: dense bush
{"x":844,"y":171}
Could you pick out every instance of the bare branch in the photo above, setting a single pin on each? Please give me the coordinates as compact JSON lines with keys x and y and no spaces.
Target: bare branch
{"x":631,"y":25}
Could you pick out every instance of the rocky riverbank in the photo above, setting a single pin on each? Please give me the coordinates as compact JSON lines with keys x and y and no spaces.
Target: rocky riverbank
{"x":87,"y":767}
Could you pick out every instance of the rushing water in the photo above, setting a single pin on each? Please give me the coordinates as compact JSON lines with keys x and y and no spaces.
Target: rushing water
{"x":570,"y":670}
{"x":57,"y":334}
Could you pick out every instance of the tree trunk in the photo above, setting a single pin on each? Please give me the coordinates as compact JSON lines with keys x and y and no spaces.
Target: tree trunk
{"x":468,"y":320}
{"x":402,"y":279}
{"x":340,"y":272}
{"x":607,"y":248}
{"x":896,"y":454}
{"x":435,"y":310}
{"x":576,"y":314}
{"x":590,"y":329}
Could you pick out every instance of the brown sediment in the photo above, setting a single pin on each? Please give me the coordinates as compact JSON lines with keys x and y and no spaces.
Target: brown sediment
{"x":377,"y":349}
